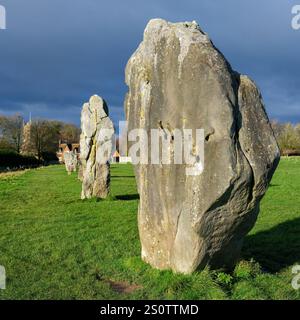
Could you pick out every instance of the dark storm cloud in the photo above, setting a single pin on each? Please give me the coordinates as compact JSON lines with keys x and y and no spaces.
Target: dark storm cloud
{"x":55,"y":54}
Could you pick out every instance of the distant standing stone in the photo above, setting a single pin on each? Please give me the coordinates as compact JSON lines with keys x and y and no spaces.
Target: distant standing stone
{"x":96,"y":144}
{"x":177,"y":79}
{"x":70,"y":161}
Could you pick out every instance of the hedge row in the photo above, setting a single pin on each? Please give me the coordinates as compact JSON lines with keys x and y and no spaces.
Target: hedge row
{"x":11,"y":160}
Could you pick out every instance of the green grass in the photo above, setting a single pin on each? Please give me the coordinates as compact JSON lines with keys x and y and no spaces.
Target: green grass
{"x":55,"y":246}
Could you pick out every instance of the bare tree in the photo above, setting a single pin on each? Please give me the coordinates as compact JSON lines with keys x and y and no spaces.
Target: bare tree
{"x":45,"y":136}
{"x":69,"y":133}
{"x":289,"y":138}
{"x":12,"y":130}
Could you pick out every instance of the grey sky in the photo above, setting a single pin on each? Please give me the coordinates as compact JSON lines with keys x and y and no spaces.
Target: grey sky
{"x":55,"y":54}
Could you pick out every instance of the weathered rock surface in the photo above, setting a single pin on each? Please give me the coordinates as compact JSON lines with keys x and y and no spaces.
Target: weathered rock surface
{"x":71,"y":160}
{"x":95,"y":148}
{"x":178,"y":79}
{"x":80,"y":171}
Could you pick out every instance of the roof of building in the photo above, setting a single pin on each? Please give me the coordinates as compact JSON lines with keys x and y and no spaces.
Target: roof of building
{"x":116,"y":154}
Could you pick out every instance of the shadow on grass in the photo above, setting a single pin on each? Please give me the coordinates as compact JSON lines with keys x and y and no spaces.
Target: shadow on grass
{"x":273,"y":185}
{"x":276,"y":248}
{"x":128,"y":197}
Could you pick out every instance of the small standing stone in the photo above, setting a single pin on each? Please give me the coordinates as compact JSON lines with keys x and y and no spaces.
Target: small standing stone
{"x":96,"y":144}
{"x":70,"y":161}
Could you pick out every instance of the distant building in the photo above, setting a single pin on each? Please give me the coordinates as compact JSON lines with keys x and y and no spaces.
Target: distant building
{"x":67,"y":147}
{"x":117,"y":158}
{"x":75,"y":147}
{"x":125,"y":160}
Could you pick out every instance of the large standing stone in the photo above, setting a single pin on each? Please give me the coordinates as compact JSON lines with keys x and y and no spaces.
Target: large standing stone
{"x":178,"y":79}
{"x":96,"y":142}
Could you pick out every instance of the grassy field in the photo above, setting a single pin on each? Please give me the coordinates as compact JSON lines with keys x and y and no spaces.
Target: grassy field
{"x":55,"y":246}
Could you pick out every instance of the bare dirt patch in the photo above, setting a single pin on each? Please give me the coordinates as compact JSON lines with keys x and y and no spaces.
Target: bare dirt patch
{"x":123,"y":287}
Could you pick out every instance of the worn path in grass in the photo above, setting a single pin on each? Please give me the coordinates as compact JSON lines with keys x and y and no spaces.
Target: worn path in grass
{"x":55,"y":246}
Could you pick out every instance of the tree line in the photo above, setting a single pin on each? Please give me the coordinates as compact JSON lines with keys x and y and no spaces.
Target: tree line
{"x":45,"y":135}
{"x":288,"y":137}
{"x":40,"y":137}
